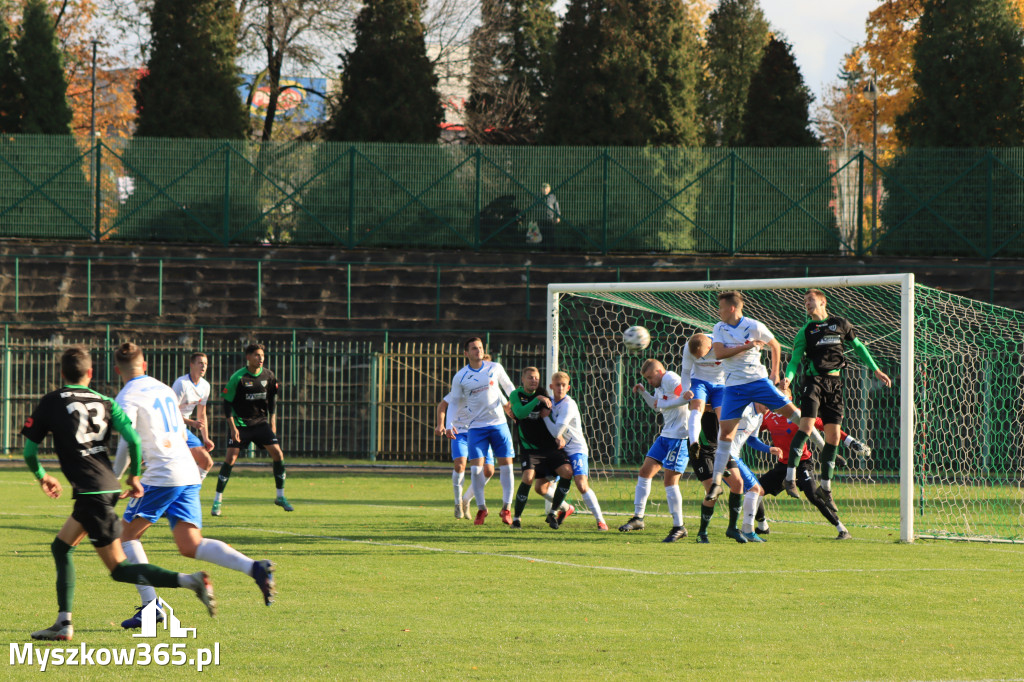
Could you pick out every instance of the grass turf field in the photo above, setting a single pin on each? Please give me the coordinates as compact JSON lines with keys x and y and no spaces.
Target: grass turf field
{"x":378,"y":581}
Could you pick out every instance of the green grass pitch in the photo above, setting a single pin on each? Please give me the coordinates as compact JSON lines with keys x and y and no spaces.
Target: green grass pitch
{"x":378,"y":581}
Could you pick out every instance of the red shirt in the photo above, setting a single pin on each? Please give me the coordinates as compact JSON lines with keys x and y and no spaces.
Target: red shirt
{"x":783,"y":431}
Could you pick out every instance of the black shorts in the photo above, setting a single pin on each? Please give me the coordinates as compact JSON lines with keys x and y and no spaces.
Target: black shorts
{"x":703,"y":464}
{"x":822,"y":397}
{"x":96,"y":514}
{"x":772,"y":481}
{"x":549,"y":465}
{"x":261,"y":434}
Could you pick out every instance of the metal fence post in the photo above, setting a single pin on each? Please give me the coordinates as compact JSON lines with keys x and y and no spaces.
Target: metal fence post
{"x":604,"y":201}
{"x":732,"y":203}
{"x":477,"y":201}
{"x":259,"y":288}
{"x":351,"y":196}
{"x":160,"y":290}
{"x":989,"y":244}
{"x":7,"y":391}
{"x":88,"y":286}
{"x":17,"y":285}
{"x":226,"y":222}
{"x":374,"y":387}
{"x":98,"y":196}
{"x":860,"y":204}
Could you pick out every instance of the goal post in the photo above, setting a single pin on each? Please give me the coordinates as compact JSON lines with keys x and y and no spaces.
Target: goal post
{"x":915,"y":429}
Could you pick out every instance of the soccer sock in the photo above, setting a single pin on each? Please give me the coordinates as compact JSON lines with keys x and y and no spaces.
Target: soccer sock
{"x":590,"y":499}
{"x":222,"y":477}
{"x":125,"y":572}
{"x":705,"y":517}
{"x":467,"y":493}
{"x":722,"y":452}
{"x":564,"y":484}
{"x":507,"y":477}
{"x":643,"y":491}
{"x":457,"y":478}
{"x":521,"y":496}
{"x":840,"y":527}
{"x":675,"y":504}
{"x":812,"y":496}
{"x":735,"y":507}
{"x":760,"y":510}
{"x":550,"y":497}
{"x":693,"y":428}
{"x":279,"y":476}
{"x":749,"y":510}
{"x":62,"y":552}
{"x":796,"y":449}
{"x":220,"y":553}
{"x":478,"y":486}
{"x":828,"y":464}
{"x":137,"y":555}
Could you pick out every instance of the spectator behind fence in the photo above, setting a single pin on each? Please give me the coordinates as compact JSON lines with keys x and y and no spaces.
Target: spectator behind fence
{"x":552,"y":215}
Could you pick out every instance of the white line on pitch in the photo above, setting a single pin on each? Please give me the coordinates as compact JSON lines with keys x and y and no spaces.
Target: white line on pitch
{"x":620,"y":569}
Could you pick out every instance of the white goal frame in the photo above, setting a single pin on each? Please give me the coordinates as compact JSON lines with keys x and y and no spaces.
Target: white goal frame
{"x":906,"y":282}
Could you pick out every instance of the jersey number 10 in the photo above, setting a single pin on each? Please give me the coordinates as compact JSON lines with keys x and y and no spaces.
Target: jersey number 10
{"x":168,"y":413}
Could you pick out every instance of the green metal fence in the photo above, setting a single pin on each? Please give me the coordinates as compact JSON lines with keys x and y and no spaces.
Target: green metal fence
{"x":340,"y":399}
{"x":723,"y":201}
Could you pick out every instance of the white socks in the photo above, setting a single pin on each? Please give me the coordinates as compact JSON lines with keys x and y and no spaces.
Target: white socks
{"x":693,"y":427}
{"x":137,"y":555}
{"x":590,"y":499}
{"x":549,"y":497}
{"x":643,"y":491}
{"x":478,"y":484}
{"x":826,"y":483}
{"x":749,"y":510}
{"x":507,"y":479}
{"x":457,"y":478}
{"x":675,"y":504}
{"x":790,"y":473}
{"x":722,"y":453}
{"x":217,"y":552}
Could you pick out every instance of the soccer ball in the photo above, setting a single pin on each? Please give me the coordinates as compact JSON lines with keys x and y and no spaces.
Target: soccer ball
{"x":636,"y":338}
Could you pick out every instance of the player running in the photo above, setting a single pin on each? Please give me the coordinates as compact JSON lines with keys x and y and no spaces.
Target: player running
{"x":459,"y":447}
{"x":539,"y":456}
{"x":667,"y":452}
{"x":566,"y":425}
{"x":81,"y":421}
{"x":737,"y":341}
{"x":249,"y":400}
{"x":193,"y":392}
{"x":483,"y":385}
{"x":821,"y":340}
{"x":171,"y":481}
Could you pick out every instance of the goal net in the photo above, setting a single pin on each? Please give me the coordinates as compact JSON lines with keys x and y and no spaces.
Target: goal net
{"x":946,"y":458}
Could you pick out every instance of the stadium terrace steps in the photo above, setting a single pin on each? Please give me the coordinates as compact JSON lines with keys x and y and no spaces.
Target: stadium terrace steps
{"x":327,"y":289}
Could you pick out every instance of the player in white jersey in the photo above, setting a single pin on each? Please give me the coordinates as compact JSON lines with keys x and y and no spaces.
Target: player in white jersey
{"x":171,"y":481}
{"x":459,"y":446}
{"x":669,"y":450}
{"x":566,"y":425}
{"x":193,"y":393}
{"x":484,"y":386}
{"x":746,"y":434}
{"x":705,"y":374}
{"x":737,"y":341}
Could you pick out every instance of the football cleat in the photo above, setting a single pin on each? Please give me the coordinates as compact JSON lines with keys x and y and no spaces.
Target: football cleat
{"x":506,"y":517}
{"x":826,"y":499}
{"x":601,"y":525}
{"x":552,"y":520}
{"x":753,"y":537}
{"x":565,"y":512}
{"x":763,"y":531}
{"x":216,"y":509}
{"x":136,"y":620}
{"x":713,"y":492}
{"x":263,"y":574}
{"x":635,"y":523}
{"x":284,"y":504}
{"x":516,"y":523}
{"x":736,"y":535}
{"x":57,"y":632}
{"x":702,"y":538}
{"x":465,"y":510}
{"x":481,"y":514}
{"x":791,"y":489}
{"x":844,"y":535}
{"x":203,"y":588}
{"x":677,"y":533}
{"x":458,"y":510}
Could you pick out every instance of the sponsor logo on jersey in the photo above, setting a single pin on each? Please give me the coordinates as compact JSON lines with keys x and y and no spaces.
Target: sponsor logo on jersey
{"x":29,"y":422}
{"x":829,"y":341}
{"x":263,"y":384}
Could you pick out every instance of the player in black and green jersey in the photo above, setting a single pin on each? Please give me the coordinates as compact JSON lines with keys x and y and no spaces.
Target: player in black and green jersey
{"x":538,"y":452}
{"x":82,"y":422}
{"x":821,"y":394}
{"x":249,"y":400}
